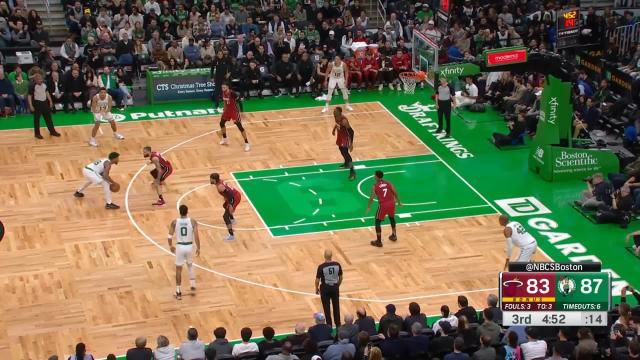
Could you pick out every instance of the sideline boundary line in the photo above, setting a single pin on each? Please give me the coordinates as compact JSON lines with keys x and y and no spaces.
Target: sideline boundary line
{"x":438,"y":156}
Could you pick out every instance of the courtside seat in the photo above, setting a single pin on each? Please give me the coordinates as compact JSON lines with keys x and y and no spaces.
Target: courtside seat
{"x":274,"y":351}
{"x":248,"y":356}
{"x":428,"y":332}
{"x":225,"y":357}
{"x":323,"y":345}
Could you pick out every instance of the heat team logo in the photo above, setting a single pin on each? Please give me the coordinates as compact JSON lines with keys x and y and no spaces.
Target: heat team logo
{"x":523,"y":206}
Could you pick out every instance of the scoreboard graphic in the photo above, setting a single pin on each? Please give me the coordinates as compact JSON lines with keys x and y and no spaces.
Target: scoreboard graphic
{"x":555,"y":298}
{"x":568,"y":28}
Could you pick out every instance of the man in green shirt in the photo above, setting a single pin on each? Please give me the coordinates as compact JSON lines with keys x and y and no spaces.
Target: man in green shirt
{"x":423,"y":12}
{"x":311,"y":33}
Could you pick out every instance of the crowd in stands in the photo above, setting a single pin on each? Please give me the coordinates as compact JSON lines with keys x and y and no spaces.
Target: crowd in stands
{"x":463,"y":335}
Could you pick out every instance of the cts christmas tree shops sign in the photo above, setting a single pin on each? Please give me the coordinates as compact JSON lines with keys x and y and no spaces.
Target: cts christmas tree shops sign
{"x":506,"y":56}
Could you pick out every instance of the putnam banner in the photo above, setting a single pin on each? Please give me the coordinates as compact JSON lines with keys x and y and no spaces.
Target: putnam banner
{"x":178,"y":85}
{"x":555,"y":112}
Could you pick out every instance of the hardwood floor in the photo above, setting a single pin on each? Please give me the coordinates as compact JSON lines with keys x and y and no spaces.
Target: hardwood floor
{"x":72,"y":271}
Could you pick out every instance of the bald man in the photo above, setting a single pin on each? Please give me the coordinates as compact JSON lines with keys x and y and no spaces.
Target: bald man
{"x":328,"y":280}
{"x":516,"y":235}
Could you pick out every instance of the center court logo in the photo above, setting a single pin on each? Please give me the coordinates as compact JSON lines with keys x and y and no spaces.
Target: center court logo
{"x":523,"y":206}
{"x":419,"y":112}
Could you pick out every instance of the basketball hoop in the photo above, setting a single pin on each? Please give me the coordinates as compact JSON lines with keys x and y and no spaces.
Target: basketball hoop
{"x":410,"y":79}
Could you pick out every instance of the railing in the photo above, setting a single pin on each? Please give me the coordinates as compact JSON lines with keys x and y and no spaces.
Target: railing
{"x":625,"y":36}
{"x":382,"y":12}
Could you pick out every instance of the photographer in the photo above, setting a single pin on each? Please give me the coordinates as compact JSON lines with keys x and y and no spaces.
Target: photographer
{"x":597,"y":194}
{"x":620,"y":210}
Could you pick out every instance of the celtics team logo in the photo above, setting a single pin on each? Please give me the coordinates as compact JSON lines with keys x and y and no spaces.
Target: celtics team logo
{"x":566,"y":286}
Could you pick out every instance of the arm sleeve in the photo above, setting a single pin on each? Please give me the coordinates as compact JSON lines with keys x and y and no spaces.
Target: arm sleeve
{"x":509,"y":247}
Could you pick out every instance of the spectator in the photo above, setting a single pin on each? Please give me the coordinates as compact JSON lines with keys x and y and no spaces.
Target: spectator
{"x":510,"y":351}
{"x":152,"y":5}
{"x":268,"y":343}
{"x":486,"y":351}
{"x":246,"y":347}
{"x":400,"y":63}
{"x":164,"y":351}
{"x":299,"y":335}
{"x":457,"y":354}
{"x":516,"y":132}
{"x":492,"y":305}
{"x":141,"y":351}
{"x":210,"y":353}
{"x":191,"y":52}
{"x":220,"y":343}
{"x":109,"y":82}
{"x":563,"y":346}
{"x":363,"y":345}
{"x":74,"y":90}
{"x":369,"y":66}
{"x":20,"y":36}
{"x":446,"y":316}
{"x":620,"y":210}
{"x":334,"y":352}
{"x":350,"y":327}
{"x":442,"y":344}
{"x":253,"y":79}
{"x":21,"y":90}
{"x":310,"y":350}
{"x":418,"y":344}
{"x":556,"y":355}
{"x":414,"y":316}
{"x":390,"y":318}
{"x":469,"y":95}
{"x":603,"y":93}
{"x":124,"y":51}
{"x":586,"y":347}
{"x":81,"y":353}
{"x":598,"y":193}
{"x":466,"y":310}
{"x":364,"y":322}
{"x":489,"y":328}
{"x":192,"y":349}
{"x":469,"y":334}
{"x":534,"y":348}
{"x":286,"y":353}
{"x":55,"y":85}
{"x":284,"y":71}
{"x":39,"y":34}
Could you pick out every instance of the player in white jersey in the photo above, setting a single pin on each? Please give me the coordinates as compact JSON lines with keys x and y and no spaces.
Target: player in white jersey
{"x":517,"y":236}
{"x":337,"y":75}
{"x":186,"y":231}
{"x":98,"y":173}
{"x":101,"y":104}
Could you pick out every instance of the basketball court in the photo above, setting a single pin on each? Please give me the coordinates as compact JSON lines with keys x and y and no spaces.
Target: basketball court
{"x":72,"y":271}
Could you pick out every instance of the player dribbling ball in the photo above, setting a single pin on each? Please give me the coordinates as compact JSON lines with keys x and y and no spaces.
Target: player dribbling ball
{"x":99,"y":173}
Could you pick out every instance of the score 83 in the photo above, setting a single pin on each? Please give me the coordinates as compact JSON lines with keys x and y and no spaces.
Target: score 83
{"x":538,"y":286}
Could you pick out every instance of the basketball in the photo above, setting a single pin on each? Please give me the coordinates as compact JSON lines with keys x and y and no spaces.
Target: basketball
{"x":115,"y":187}
{"x":421,"y":75}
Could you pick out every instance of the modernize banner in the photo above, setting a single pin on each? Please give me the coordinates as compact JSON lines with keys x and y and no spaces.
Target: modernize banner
{"x":505,"y":56}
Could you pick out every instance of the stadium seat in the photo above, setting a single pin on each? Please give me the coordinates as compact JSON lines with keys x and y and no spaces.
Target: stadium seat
{"x":225,"y":357}
{"x":248,"y":356}
{"x":323,"y":345}
{"x":274,"y":351}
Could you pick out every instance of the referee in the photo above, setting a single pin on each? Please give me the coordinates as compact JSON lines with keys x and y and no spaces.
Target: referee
{"x":444,"y":100}
{"x":328,"y":280}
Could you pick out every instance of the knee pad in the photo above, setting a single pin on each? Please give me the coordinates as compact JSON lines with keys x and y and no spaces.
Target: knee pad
{"x":239,"y":125}
{"x":226,"y":218}
{"x":222,"y":123}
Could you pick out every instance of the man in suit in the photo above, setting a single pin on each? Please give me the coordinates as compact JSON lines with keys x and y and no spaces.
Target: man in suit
{"x":74,"y":86}
{"x":238,"y":49}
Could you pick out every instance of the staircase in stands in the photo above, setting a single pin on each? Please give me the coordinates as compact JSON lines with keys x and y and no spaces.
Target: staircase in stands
{"x":52,"y":18}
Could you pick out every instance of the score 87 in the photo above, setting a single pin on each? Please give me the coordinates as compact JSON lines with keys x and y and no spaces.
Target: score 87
{"x":590,"y":286}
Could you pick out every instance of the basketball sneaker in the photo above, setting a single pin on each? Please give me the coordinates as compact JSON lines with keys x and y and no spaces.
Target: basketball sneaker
{"x":393,"y":237}
{"x":229,"y":238}
{"x":112,"y":206}
{"x":325,"y":109}
{"x":78,"y":194}
{"x":178,"y":296}
{"x":376,"y":243}
{"x":349,"y":108}
{"x":118,"y":136}
{"x":93,"y":142}
{"x":380,"y":87}
{"x":223,"y":141}
{"x":233,"y":221}
{"x":247,"y":147}
{"x":160,"y":202}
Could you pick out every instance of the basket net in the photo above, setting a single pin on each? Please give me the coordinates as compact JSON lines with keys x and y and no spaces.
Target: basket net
{"x":409,"y":79}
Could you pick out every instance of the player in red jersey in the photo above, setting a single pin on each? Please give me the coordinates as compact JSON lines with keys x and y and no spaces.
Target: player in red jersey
{"x":231,"y":197}
{"x":387,"y":197}
{"x":344,"y":140}
{"x":162,"y":171}
{"x":231,"y":112}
